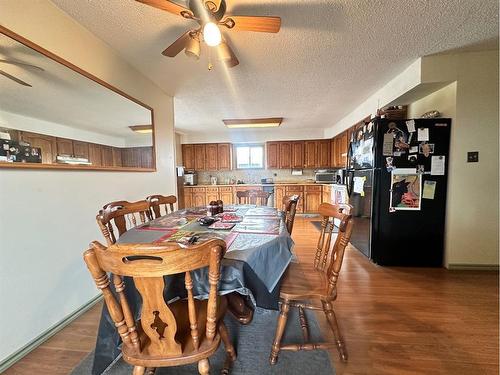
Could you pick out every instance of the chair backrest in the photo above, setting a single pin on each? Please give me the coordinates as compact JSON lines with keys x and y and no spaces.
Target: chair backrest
{"x":123,"y":215}
{"x":330,"y":260}
{"x":290,"y":208}
{"x":147,"y":264}
{"x":257,"y":197}
{"x":156,"y":201}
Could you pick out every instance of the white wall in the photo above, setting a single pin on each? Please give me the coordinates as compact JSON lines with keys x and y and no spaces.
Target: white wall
{"x":48,"y":217}
{"x":444,"y":100}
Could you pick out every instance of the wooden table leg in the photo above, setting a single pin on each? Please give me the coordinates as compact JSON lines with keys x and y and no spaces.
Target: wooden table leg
{"x":239,"y":309}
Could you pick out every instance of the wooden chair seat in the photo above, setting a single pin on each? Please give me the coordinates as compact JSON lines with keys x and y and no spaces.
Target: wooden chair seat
{"x":183,"y":336}
{"x":302,"y":281}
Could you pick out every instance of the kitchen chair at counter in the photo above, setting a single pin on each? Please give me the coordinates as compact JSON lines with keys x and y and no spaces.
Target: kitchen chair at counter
{"x":257,"y":197}
{"x":120,"y":213}
{"x":183,"y":332}
{"x":303,"y":283}
{"x":156,"y":201}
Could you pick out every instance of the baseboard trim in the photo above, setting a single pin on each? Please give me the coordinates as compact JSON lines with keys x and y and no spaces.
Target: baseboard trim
{"x":473,"y":267}
{"x":44,"y":336}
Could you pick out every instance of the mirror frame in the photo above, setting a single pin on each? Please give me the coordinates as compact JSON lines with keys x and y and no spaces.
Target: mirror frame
{"x":11,"y":34}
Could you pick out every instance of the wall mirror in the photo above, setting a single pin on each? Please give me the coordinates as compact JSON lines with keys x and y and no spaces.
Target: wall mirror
{"x":54,"y":115}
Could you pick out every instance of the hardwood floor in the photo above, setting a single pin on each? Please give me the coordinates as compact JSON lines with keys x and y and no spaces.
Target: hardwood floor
{"x":395,"y":321}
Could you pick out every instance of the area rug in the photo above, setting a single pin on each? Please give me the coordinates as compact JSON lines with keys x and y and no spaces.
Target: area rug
{"x":317,"y":225}
{"x":253,"y":345}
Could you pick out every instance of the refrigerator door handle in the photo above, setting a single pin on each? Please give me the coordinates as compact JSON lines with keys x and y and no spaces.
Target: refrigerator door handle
{"x":349,"y":182}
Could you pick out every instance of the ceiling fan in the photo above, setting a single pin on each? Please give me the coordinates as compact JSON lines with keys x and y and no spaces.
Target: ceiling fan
{"x":210,"y":15}
{"x":20,"y":64}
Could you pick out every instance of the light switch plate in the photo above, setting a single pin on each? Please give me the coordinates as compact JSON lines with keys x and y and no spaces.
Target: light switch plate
{"x":473,"y":157}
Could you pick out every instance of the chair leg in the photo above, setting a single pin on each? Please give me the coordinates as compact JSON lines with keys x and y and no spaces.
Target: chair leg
{"x":332,"y":320}
{"x":204,"y":367}
{"x":139,"y":370}
{"x":228,"y":346}
{"x":280,"y":329}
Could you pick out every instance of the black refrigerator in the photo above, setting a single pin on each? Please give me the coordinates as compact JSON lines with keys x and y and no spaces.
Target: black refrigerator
{"x":397,"y":181}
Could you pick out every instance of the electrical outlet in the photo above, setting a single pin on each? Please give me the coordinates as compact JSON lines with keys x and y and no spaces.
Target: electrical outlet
{"x":473,"y":157}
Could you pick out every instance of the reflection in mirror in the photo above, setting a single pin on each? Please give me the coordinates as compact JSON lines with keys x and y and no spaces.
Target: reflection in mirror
{"x":52,"y":115}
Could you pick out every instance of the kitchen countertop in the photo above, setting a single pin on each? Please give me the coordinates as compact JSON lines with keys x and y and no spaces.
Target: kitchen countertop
{"x":274,"y":184}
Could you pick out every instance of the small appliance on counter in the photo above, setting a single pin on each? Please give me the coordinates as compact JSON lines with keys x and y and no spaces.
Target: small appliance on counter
{"x":329,"y":176}
{"x":213,"y":180}
{"x":266,"y":181}
{"x":190,"y":178}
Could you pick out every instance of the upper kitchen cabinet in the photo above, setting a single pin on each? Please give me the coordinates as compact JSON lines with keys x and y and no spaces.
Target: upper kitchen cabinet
{"x":211,"y":152}
{"x":272,"y":155}
{"x":323,"y":154}
{"x":298,"y":155}
{"x":224,"y":156}
{"x":199,"y":157}
{"x":285,"y":155}
{"x":188,"y":156}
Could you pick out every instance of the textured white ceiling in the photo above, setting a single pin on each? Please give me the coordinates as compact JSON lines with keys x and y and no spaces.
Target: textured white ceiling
{"x":63,"y":96}
{"x":329,"y":56}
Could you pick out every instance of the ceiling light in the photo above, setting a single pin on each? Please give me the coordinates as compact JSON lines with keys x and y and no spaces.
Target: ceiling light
{"x":254,"y":123}
{"x":224,"y":52}
{"x":193,"y":48}
{"x":211,"y":34}
{"x":142,"y":129}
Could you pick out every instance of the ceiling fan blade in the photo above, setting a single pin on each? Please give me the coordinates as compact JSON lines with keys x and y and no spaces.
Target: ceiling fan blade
{"x":19,"y":63}
{"x":21,"y":82}
{"x":169,"y":7}
{"x":250,"y":23}
{"x":234,"y":60}
{"x":177,"y":46}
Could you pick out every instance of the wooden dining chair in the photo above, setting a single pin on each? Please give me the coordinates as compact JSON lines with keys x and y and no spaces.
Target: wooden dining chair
{"x":257,"y":197}
{"x":290,"y":208}
{"x":317,"y":282}
{"x":123,"y":215}
{"x":183,"y":332}
{"x":156,"y":201}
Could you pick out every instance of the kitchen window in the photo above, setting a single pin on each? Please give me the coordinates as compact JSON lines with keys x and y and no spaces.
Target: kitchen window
{"x":249,"y":156}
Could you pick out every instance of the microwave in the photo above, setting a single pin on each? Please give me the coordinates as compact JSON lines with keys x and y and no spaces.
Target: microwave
{"x":329,"y":177}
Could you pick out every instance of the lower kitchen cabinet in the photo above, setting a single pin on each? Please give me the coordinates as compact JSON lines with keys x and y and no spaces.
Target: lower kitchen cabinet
{"x":279,"y":194}
{"x":296,"y":190}
{"x":226,"y":195}
{"x":199,"y":197}
{"x":312,"y":198}
{"x":188,"y":198}
{"x":212,"y":194}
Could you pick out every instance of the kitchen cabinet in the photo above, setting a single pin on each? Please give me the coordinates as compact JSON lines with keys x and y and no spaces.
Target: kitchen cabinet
{"x":310,"y":154}
{"x":46,"y":143}
{"x":199,"y":197}
{"x":95,"y":155}
{"x":80,"y":149}
{"x":326,"y":194}
{"x":272,"y":155}
{"x":107,"y":156}
{"x":296,"y":190}
{"x":188,"y":157}
{"x":297,"y":155}
{"x":117,"y":156}
{"x":146,"y":157}
{"x":285,"y":155}
{"x":211,"y":156}
{"x":226,"y":195}
{"x":279,"y":194}
{"x":333,"y":152}
{"x":212,"y":194}
{"x":323,"y":158}
{"x":188,"y":198}
{"x":341,"y":146}
{"x":64,"y":147}
{"x":199,"y":157}
{"x":224,"y":156}
{"x":312,"y":198}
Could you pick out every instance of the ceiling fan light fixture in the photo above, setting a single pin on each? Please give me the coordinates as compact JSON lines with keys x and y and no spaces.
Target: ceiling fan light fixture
{"x":212,"y":34}
{"x":224,"y":52}
{"x":193,"y":48}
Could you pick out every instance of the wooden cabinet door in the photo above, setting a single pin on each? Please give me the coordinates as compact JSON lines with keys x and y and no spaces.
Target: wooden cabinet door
{"x":146,"y":157}
{"x":64,"y":147}
{"x":117,"y":157}
{"x":81,"y":149}
{"x":312,"y":197}
{"x":224,"y":156}
{"x":323,"y":154}
{"x":341,"y":146}
{"x":296,"y":190}
{"x":279,"y":193}
{"x":46,"y":143}
{"x":272,"y":155}
{"x":188,"y":156}
{"x":212,"y":194}
{"x":310,"y":154}
{"x":326,"y":194}
{"x":199,"y":157}
{"x":95,"y":155}
{"x":332,"y":153}
{"x":211,"y":156}
{"x":298,"y":155}
{"x":107,"y":156}
{"x":188,"y":198}
{"x":199,"y":199}
{"x":285,"y":155}
{"x":226,"y":194}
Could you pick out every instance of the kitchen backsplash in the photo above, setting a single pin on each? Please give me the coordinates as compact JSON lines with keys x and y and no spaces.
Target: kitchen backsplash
{"x":249,"y":176}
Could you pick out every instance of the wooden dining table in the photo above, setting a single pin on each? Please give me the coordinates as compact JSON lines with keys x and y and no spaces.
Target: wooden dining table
{"x":257,"y":255}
